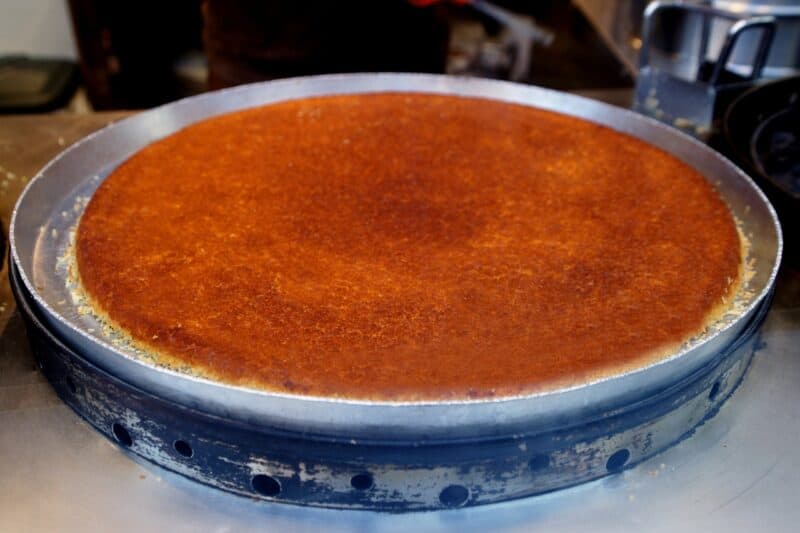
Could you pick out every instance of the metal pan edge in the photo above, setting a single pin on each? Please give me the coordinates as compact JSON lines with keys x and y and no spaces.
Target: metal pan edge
{"x":78,"y":170}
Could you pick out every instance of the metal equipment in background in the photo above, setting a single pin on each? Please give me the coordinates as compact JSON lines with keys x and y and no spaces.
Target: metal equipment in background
{"x":692,"y":59}
{"x":761,"y":133}
{"x":685,"y":88}
{"x":522,"y":34}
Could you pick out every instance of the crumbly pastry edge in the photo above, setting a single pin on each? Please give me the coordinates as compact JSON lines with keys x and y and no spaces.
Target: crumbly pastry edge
{"x":731,"y":305}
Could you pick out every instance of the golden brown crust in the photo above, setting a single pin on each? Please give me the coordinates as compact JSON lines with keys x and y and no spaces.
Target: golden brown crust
{"x":406,"y":246}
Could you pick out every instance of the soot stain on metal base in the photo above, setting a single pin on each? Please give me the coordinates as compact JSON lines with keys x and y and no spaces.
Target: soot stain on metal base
{"x":377,"y":473}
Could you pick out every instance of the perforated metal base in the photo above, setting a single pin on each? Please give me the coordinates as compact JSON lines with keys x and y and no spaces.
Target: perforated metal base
{"x":376,"y":472}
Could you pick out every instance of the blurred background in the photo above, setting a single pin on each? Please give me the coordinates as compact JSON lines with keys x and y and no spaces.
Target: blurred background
{"x":100,"y":55}
{"x":724,"y":71}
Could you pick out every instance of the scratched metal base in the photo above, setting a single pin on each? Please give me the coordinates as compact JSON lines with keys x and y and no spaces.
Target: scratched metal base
{"x":381,"y":473}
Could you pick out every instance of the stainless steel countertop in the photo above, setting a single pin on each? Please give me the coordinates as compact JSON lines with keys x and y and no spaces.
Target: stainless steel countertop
{"x":739,"y":472}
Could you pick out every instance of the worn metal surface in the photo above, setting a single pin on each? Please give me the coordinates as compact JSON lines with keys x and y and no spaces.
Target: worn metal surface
{"x":54,"y":199}
{"x":385,"y":473}
{"x":738,"y":472}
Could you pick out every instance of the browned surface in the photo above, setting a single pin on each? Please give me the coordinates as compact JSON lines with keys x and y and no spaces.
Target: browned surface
{"x":406,"y":247}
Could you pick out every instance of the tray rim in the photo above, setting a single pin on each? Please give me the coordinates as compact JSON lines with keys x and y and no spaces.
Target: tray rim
{"x":503,"y":91}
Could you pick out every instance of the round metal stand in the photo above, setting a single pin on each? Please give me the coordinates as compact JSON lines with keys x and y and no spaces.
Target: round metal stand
{"x":379,"y":472}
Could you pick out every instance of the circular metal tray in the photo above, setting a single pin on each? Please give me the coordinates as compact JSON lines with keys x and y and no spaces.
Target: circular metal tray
{"x":53,"y":201}
{"x":381,"y":472}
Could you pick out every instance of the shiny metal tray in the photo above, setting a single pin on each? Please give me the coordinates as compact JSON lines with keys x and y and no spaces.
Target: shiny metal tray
{"x":53,"y":201}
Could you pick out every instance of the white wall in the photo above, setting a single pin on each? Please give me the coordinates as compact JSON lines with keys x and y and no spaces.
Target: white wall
{"x":36,"y":28}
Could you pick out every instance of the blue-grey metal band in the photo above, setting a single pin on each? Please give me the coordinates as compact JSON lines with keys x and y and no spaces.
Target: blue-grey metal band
{"x":376,"y":471}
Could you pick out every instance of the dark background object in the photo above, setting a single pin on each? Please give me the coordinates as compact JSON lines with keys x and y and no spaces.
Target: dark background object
{"x":578,"y":57}
{"x":35,"y":85}
{"x":135,"y":55}
{"x":128,"y":49}
{"x":761,"y":136}
{"x":775,"y":149}
{"x":253,"y":40}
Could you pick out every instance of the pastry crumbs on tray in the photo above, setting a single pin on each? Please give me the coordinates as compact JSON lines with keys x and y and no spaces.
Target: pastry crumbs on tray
{"x":454,"y":248}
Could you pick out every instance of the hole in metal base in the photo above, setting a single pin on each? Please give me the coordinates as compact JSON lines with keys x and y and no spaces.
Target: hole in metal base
{"x":712,"y":395}
{"x":618,"y":460}
{"x":265,"y":485}
{"x":454,"y":496}
{"x":183,"y":448}
{"x":539,"y":462}
{"x":361,"y":481}
{"x":121,"y":434}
